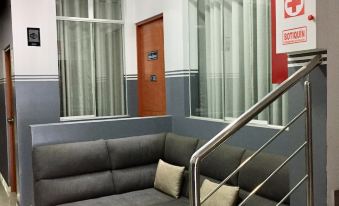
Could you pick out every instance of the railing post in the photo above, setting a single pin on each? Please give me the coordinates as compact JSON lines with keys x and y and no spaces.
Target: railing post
{"x":194,"y":186}
{"x":309,"y":148}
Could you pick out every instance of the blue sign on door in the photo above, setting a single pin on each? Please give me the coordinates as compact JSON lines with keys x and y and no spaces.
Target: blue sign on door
{"x":153,"y":55}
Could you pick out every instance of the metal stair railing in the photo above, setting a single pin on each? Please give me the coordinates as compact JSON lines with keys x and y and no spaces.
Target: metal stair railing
{"x":225,"y":134}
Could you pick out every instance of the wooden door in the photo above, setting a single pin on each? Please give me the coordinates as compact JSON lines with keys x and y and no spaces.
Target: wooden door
{"x":151,"y":68}
{"x":10,"y":121}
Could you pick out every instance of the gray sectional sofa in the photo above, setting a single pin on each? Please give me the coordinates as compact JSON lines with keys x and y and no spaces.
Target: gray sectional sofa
{"x":121,"y":172}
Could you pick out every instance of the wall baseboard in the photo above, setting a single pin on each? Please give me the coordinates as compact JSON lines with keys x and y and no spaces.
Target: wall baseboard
{"x":5,"y":185}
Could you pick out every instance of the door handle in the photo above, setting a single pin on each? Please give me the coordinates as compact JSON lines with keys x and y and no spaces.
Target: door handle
{"x":10,"y":120}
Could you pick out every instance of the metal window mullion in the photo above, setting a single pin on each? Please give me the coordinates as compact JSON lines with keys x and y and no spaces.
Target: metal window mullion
{"x":223,"y":63}
{"x":91,"y":9}
{"x":123,"y":10}
{"x":63,"y":71}
{"x":124,"y":72}
{"x":93,"y":69}
{"x":80,"y":19}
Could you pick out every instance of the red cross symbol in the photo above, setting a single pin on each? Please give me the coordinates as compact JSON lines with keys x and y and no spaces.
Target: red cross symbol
{"x":293,"y":4}
{"x":294,"y":8}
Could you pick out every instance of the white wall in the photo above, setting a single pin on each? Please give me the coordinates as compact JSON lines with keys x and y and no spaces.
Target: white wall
{"x":34,"y":60}
{"x":41,"y":13}
{"x":333,"y":103}
{"x":175,"y":37}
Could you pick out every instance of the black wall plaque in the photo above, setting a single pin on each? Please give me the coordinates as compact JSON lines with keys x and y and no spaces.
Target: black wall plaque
{"x":33,"y":36}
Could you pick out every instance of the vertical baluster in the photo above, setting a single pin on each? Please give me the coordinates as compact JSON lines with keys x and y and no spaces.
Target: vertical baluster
{"x":309,"y":148}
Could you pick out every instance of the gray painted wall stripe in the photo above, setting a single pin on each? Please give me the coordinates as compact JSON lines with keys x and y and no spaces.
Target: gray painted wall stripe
{"x":31,"y":79}
{"x":176,"y":73}
{"x":103,"y":129}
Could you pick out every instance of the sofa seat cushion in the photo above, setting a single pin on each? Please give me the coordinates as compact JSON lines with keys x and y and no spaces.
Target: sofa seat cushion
{"x":183,"y":201}
{"x":147,"y":197}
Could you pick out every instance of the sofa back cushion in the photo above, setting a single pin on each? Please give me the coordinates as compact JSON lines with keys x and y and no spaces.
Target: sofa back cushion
{"x":136,"y":151}
{"x":257,"y":170}
{"x":71,"y":172}
{"x":51,"y":192}
{"x":222,"y":162}
{"x":63,"y":160}
{"x":134,"y":178}
{"x":179,"y":149}
{"x":185,"y":184}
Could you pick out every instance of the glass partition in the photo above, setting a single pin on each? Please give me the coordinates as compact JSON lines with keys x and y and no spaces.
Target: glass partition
{"x":230,"y":59}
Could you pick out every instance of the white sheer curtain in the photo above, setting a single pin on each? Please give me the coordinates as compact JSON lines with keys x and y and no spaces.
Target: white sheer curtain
{"x":75,"y":65}
{"x":90,"y":64}
{"x":109,"y":73}
{"x":234,"y":58}
{"x":211,"y":58}
{"x":72,"y":8}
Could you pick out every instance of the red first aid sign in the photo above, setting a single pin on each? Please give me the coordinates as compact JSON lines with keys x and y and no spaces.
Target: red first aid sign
{"x":293,"y":36}
{"x":294,"y":8}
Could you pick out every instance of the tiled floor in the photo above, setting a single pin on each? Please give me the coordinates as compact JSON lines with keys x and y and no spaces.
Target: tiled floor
{"x":5,"y":200}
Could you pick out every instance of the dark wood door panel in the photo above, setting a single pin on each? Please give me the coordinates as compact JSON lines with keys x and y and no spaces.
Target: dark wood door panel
{"x":151,"y":68}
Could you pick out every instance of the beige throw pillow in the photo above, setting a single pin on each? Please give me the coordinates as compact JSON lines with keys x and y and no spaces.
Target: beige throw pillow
{"x":168,"y":178}
{"x":225,"y":196}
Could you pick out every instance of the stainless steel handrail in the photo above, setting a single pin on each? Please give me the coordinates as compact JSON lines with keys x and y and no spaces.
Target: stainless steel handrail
{"x":232,"y":128}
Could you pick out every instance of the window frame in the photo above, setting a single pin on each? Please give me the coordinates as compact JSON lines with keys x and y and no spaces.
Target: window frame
{"x":91,"y":19}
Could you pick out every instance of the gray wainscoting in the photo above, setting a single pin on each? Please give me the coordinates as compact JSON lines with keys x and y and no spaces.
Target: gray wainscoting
{"x":177,"y":95}
{"x":98,"y":129}
{"x":132,"y":97}
{"x":37,"y":102}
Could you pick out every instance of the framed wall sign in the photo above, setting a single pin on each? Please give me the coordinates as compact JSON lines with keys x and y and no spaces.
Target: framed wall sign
{"x":33,"y":36}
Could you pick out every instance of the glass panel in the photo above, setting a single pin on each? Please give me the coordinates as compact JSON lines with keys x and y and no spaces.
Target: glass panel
{"x":75,"y":66}
{"x":72,"y":8}
{"x":107,"y":9}
{"x":207,"y":80}
{"x":230,"y":58}
{"x":109,"y":69}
